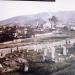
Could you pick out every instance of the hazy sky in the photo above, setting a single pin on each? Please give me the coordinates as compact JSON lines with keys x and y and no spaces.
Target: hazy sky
{"x":17,"y":8}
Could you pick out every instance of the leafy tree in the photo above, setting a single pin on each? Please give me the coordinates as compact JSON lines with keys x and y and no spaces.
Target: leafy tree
{"x":54,"y":20}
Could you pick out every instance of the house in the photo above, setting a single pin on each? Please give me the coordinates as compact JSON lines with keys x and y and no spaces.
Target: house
{"x":72,"y":28}
{"x":24,"y":32}
{"x":47,"y":25}
{"x":60,"y":26}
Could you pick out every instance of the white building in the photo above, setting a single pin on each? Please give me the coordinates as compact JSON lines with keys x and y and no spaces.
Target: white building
{"x":72,"y":28}
{"x":60,"y":26}
{"x":47,"y":25}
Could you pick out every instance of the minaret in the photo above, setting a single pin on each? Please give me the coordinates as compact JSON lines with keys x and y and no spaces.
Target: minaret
{"x":51,"y":23}
{"x":37,"y":21}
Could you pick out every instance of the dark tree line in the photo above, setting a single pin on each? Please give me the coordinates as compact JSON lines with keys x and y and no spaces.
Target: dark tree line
{"x":7,"y":33}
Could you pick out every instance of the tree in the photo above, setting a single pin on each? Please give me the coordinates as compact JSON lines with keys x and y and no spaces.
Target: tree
{"x":7,"y":33}
{"x":54,"y":20}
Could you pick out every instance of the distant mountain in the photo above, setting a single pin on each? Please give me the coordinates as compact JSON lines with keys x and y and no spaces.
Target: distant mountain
{"x":41,"y":18}
{"x":26,"y":20}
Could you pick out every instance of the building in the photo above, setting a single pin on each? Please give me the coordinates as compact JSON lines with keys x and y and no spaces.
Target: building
{"x":24,"y":32}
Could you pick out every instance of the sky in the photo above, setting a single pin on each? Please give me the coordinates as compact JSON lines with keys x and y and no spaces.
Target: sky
{"x":10,"y":9}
